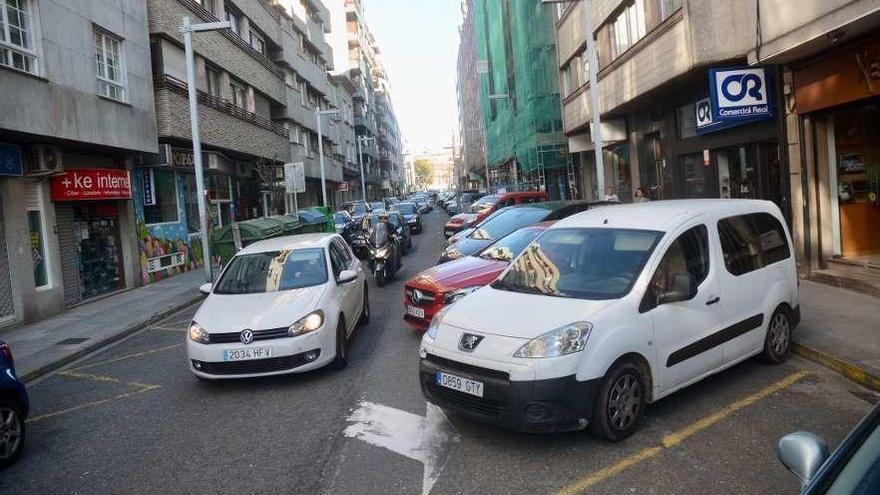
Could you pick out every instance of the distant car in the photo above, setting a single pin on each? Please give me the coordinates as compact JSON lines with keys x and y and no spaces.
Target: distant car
{"x":487,"y":205}
{"x":346,"y":226}
{"x":852,"y":469}
{"x":402,"y":229}
{"x":510,"y":219}
{"x":357,"y":209}
{"x":282,"y":305}
{"x":411,"y":214}
{"x":463,"y":202}
{"x":14,"y":409}
{"x":377,"y":205}
{"x":422,"y":204}
{"x":437,"y":287}
{"x":389,"y":202}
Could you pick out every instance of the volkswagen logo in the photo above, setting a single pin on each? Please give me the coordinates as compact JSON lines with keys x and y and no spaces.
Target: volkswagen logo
{"x":246,"y":336}
{"x":469,"y":342}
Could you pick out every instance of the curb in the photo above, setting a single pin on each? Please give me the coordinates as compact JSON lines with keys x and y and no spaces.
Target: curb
{"x":849,"y":371}
{"x":98,"y":344}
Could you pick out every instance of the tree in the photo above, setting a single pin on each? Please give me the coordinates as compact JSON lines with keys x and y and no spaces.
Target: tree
{"x":424,"y":171}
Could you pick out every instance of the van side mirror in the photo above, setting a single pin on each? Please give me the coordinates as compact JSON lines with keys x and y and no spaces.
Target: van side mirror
{"x":684,"y":288}
{"x":802,"y":453}
{"x":206,"y":288}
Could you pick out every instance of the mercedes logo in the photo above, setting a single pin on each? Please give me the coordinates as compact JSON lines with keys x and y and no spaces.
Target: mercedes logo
{"x":469,"y":342}
{"x":246,"y":336}
{"x":416,"y":296}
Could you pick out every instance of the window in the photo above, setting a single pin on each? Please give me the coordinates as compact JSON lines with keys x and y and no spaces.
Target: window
{"x":207,"y":4}
{"x":17,"y":35}
{"x":668,"y":7}
{"x":687,"y":121}
{"x":109,"y":65}
{"x":213,"y":77}
{"x":289,"y":78}
{"x":257,"y":41}
{"x":303,"y":91}
{"x":234,"y":18}
{"x":239,"y":94}
{"x":628,"y":28}
{"x":689,"y":254}
{"x":219,"y":187}
{"x":162,"y":207}
{"x":38,"y":248}
{"x":750,"y":242}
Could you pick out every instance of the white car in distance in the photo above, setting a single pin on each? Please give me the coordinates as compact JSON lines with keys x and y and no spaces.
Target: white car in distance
{"x":283,"y":305}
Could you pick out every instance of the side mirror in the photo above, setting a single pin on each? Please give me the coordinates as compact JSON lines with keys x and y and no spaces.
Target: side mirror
{"x":802,"y":453}
{"x":684,"y":288}
{"x":206,"y":288}
{"x":346,"y":276}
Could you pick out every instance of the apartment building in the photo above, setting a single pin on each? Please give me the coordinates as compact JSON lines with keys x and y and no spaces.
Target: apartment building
{"x":76,"y":116}
{"x":471,"y":128}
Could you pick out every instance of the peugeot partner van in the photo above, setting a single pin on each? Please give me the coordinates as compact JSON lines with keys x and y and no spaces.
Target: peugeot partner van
{"x":612,"y":309}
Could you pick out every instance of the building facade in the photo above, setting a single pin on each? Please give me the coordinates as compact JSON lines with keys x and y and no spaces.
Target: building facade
{"x":77,"y":115}
{"x":471,"y":129}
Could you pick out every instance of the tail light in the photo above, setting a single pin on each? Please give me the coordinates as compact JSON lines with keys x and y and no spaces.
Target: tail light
{"x":7,"y":353}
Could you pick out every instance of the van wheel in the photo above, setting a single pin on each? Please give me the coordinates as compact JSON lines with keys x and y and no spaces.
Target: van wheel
{"x":777,"y":342}
{"x":619,"y":403}
{"x":12,"y":431}
{"x":341,"y":359}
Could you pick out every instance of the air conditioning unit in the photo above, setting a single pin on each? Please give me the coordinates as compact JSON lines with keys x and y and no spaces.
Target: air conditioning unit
{"x":44,"y":160}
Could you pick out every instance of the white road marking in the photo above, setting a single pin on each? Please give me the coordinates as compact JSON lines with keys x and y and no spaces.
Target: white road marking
{"x":422,"y":438}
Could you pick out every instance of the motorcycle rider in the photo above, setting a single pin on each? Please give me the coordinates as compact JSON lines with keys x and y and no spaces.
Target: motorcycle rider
{"x":392,"y":234}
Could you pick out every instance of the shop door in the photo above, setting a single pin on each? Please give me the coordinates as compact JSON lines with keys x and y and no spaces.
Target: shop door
{"x":96,"y":230}
{"x":7,"y":308}
{"x":697,"y":176}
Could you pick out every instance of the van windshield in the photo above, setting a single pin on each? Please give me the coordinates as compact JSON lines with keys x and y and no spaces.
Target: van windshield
{"x":581,"y":263}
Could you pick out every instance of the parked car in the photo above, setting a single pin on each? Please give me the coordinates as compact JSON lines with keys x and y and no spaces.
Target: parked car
{"x":487,"y":205}
{"x":853,"y":468}
{"x":614,"y":308}
{"x":283,"y":305}
{"x":14,"y":409}
{"x":437,"y":287}
{"x":509,"y":219}
{"x":463,"y":202}
{"x":411,"y":214}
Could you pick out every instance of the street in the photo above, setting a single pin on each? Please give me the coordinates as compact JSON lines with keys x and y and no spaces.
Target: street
{"x":132,"y":419}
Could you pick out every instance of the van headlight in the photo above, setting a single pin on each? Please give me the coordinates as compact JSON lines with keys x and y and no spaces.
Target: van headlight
{"x":435,"y":323}
{"x":306,"y":324}
{"x":452,"y":296}
{"x":198,"y":334}
{"x":564,"y":340}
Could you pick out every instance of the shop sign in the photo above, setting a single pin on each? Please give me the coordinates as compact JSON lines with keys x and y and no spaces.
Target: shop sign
{"x":740,"y":94}
{"x":91,"y":184}
{"x":342,"y":186}
{"x":182,"y":158}
{"x":10,"y":160}
{"x":149,"y":185}
{"x":839,"y":78}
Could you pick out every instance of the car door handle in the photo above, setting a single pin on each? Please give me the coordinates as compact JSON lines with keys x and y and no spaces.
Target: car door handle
{"x":712,"y":300}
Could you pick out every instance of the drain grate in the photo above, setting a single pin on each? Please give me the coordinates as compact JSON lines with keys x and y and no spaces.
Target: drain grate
{"x":72,"y":341}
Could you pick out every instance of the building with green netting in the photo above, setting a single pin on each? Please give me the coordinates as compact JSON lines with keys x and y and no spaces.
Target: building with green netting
{"x":519,"y":96}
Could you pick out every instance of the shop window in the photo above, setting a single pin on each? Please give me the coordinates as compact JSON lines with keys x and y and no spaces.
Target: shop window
{"x":163,"y":207}
{"x":737,"y":175}
{"x":651,"y":165}
{"x":38,"y":248}
{"x":219,"y":188}
{"x":696,"y":174}
{"x":687,"y":121}
{"x":617,"y":158}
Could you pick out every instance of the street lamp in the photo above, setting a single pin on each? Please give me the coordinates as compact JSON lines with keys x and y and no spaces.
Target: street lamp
{"x":335,"y":115}
{"x":360,"y":141}
{"x":187,"y":30}
{"x":593,"y":62}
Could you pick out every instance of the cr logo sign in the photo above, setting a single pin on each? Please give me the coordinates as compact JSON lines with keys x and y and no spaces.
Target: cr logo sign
{"x":741,"y":87}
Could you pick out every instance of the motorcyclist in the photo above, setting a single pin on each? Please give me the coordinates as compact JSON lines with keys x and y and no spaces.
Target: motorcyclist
{"x":392,"y":234}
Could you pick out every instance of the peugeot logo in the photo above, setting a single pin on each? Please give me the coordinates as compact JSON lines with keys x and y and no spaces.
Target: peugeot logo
{"x":246,"y":336}
{"x":469,"y":342}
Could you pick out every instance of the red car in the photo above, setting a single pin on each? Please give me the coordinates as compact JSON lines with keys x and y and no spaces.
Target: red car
{"x":487,"y":205}
{"x":433,"y":289}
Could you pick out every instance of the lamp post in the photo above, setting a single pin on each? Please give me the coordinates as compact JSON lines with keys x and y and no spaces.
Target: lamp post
{"x":187,"y":30}
{"x":318,"y":114}
{"x":363,"y":140}
{"x":593,"y":63}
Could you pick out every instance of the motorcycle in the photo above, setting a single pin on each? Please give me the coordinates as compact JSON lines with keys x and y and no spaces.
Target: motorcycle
{"x":384,"y":260}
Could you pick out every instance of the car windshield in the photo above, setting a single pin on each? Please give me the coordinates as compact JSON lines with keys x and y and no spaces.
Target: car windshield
{"x":377,"y":205}
{"x":507,"y":222}
{"x":273,"y":271}
{"x":509,"y":247}
{"x":483,"y":204}
{"x":586,"y":263}
{"x":340,"y":217}
{"x":357,"y":208}
{"x":405,"y":208}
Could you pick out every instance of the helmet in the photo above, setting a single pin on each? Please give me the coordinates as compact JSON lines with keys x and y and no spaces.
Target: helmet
{"x":383,"y":216}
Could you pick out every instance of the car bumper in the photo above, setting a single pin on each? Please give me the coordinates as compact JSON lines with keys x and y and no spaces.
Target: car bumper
{"x":537,"y":406}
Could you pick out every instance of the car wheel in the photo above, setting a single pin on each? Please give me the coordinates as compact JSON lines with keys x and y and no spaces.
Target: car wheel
{"x":365,"y":312}
{"x":619,"y":403}
{"x":341,"y":359}
{"x":380,"y":278}
{"x":12,"y":432}
{"x":778,"y":339}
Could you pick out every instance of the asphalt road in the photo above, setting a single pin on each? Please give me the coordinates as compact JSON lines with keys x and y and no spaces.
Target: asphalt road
{"x":131,"y":419}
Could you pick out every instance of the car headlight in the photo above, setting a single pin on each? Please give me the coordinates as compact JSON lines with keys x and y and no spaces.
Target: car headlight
{"x":198,"y":334}
{"x":452,"y":296}
{"x":564,"y":340}
{"x":306,"y":324}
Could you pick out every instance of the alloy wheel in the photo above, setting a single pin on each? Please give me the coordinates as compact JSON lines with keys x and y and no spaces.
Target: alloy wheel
{"x":624,"y":402}
{"x":780,"y":333}
{"x":10,"y":432}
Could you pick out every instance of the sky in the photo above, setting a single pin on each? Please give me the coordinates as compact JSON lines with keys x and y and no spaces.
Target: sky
{"x":419,"y":43}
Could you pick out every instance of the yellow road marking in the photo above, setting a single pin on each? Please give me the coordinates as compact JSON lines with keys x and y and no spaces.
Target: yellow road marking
{"x":88,"y":376}
{"x":679,"y":436}
{"x":141,"y":388}
{"x":127,"y":356}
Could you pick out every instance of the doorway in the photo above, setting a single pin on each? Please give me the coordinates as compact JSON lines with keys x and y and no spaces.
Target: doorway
{"x":96,"y":236}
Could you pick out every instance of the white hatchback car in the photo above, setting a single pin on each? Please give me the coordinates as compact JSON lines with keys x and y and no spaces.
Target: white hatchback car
{"x":614,"y":308}
{"x":283,"y":305}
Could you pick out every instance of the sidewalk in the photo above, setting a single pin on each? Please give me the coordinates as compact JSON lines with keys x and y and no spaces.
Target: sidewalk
{"x":840,"y":329}
{"x":37,"y":347}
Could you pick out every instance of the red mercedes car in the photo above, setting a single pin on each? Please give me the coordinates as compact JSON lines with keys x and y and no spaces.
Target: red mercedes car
{"x":433,"y":289}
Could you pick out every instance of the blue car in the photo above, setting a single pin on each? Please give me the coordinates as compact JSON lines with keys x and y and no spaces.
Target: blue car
{"x":14,"y":408}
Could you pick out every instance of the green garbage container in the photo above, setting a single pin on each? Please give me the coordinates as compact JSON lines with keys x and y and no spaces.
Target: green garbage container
{"x":251,"y":231}
{"x":290,"y":225}
{"x":316,"y":219}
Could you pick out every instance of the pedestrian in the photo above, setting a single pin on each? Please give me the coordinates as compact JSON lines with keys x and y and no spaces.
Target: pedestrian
{"x":610,"y":196}
{"x":641,"y":196}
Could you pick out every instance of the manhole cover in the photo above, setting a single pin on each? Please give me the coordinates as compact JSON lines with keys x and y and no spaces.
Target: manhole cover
{"x":72,"y":341}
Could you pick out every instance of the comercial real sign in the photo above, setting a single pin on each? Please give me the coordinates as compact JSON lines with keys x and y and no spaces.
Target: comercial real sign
{"x":91,"y":184}
{"x":737,"y":96}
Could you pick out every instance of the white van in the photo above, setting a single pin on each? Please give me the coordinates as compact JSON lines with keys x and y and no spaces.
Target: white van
{"x":614,"y":308}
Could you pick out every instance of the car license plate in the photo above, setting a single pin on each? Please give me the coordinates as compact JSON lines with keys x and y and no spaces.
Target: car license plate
{"x":465,"y":385}
{"x":247,"y":353}
{"x":414,"y":311}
